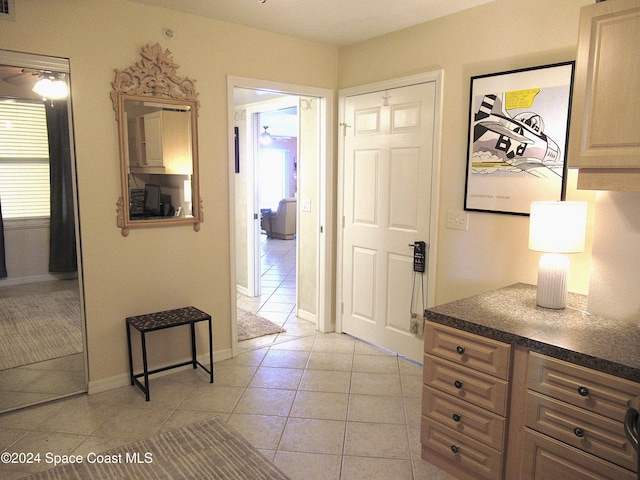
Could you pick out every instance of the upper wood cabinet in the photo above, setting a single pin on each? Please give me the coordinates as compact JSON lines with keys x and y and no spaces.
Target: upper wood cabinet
{"x":159,"y":142}
{"x":605,"y":139}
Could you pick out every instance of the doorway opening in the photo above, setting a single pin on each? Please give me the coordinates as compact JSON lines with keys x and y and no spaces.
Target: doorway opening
{"x":280,"y":136}
{"x":267,"y":304}
{"x":277,"y":154}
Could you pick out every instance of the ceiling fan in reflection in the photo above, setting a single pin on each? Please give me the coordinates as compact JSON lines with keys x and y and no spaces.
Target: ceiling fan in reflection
{"x":47,"y":84}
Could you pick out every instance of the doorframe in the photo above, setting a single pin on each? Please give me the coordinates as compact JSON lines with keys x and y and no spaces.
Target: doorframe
{"x":325,"y":254}
{"x":407,"y":81}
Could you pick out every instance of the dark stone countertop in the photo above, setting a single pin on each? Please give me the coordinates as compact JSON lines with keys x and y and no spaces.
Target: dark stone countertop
{"x":511,"y":315}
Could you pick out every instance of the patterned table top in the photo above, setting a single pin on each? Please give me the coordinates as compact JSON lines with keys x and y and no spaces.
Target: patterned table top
{"x":167,"y":318}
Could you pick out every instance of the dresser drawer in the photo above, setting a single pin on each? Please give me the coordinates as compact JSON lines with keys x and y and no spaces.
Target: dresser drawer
{"x":587,"y":431}
{"x":467,"y":419}
{"x":460,"y":449}
{"x":585,"y":388}
{"x":466,"y":384}
{"x":480,"y":353}
{"x":545,"y":458}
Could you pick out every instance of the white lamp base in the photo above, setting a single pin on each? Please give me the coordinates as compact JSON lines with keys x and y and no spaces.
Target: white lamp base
{"x":553,"y":271}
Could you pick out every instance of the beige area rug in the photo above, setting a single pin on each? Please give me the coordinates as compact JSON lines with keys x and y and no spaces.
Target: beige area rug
{"x":251,"y":326}
{"x":210,"y":449}
{"x":39,"y":327}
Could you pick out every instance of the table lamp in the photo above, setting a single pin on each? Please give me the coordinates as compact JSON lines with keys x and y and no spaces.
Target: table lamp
{"x":556,"y":228}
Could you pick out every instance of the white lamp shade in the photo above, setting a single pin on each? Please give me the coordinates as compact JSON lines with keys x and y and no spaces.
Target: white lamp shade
{"x":558,"y":227}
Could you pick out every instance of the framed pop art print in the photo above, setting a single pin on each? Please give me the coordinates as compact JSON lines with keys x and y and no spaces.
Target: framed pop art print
{"x":517,"y":139}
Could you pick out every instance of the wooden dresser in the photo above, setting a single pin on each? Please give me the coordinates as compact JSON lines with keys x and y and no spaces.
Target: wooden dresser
{"x":464,"y":400}
{"x":515,"y":391}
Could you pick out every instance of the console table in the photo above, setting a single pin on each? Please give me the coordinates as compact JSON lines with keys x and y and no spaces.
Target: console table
{"x":159,"y":321}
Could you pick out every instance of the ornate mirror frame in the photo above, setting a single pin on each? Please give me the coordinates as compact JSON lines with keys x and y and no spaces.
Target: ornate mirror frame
{"x":153,"y":84}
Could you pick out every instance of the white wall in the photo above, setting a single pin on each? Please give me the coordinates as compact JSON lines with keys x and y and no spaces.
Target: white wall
{"x":495,"y":37}
{"x":170,"y":267}
{"x":158,"y":268}
{"x":615,"y":263}
{"x":499,"y":36}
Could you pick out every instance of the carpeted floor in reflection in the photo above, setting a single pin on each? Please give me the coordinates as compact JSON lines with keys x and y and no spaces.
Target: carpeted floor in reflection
{"x":39,"y":327}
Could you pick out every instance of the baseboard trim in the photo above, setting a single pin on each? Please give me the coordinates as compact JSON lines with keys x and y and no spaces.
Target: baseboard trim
{"x":242,"y":290}
{"x":13,"y":281}
{"x":122,"y":380}
{"x":308,"y":316}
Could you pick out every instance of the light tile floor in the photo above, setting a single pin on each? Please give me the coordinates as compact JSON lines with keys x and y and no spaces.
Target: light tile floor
{"x":320,"y":406}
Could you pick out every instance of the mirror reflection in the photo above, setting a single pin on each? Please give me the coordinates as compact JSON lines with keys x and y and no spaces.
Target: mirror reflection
{"x":159,"y":159}
{"x":41,"y":316}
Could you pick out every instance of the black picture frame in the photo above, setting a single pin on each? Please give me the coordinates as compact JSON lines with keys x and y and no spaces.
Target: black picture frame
{"x":518,"y":137}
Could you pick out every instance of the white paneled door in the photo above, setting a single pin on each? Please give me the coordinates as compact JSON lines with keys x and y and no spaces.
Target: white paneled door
{"x":387,"y":194}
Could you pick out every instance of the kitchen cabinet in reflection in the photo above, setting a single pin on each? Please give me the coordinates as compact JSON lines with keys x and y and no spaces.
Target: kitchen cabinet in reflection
{"x":159,"y":141}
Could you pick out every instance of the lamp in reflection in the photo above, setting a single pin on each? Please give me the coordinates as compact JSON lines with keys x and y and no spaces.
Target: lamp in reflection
{"x":556,"y":228}
{"x":187,"y":191}
{"x":265,"y":137}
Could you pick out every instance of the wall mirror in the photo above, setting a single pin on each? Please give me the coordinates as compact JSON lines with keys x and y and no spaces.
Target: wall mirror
{"x":42,"y":334}
{"x":157,"y":114}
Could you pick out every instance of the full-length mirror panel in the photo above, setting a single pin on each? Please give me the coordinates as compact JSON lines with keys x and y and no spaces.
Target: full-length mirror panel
{"x":157,"y":113}
{"x":42,"y":348}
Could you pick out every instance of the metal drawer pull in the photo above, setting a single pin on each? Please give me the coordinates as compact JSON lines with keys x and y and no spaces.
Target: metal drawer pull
{"x":458,"y":383}
{"x":583,"y":391}
{"x":457,"y":417}
{"x":579,"y":432}
{"x":460,"y":349}
{"x":455,"y":448}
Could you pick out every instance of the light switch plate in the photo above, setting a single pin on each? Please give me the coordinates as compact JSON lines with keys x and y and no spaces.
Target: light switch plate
{"x":458,"y":220}
{"x":306,"y":204}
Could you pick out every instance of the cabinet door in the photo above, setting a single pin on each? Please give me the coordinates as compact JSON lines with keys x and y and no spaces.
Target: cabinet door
{"x":546,"y":459}
{"x":606,"y":107}
{"x":153,"y":138}
{"x":176,"y":142}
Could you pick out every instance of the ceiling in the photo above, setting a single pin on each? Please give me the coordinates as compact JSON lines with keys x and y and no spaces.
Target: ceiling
{"x":332,"y":22}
